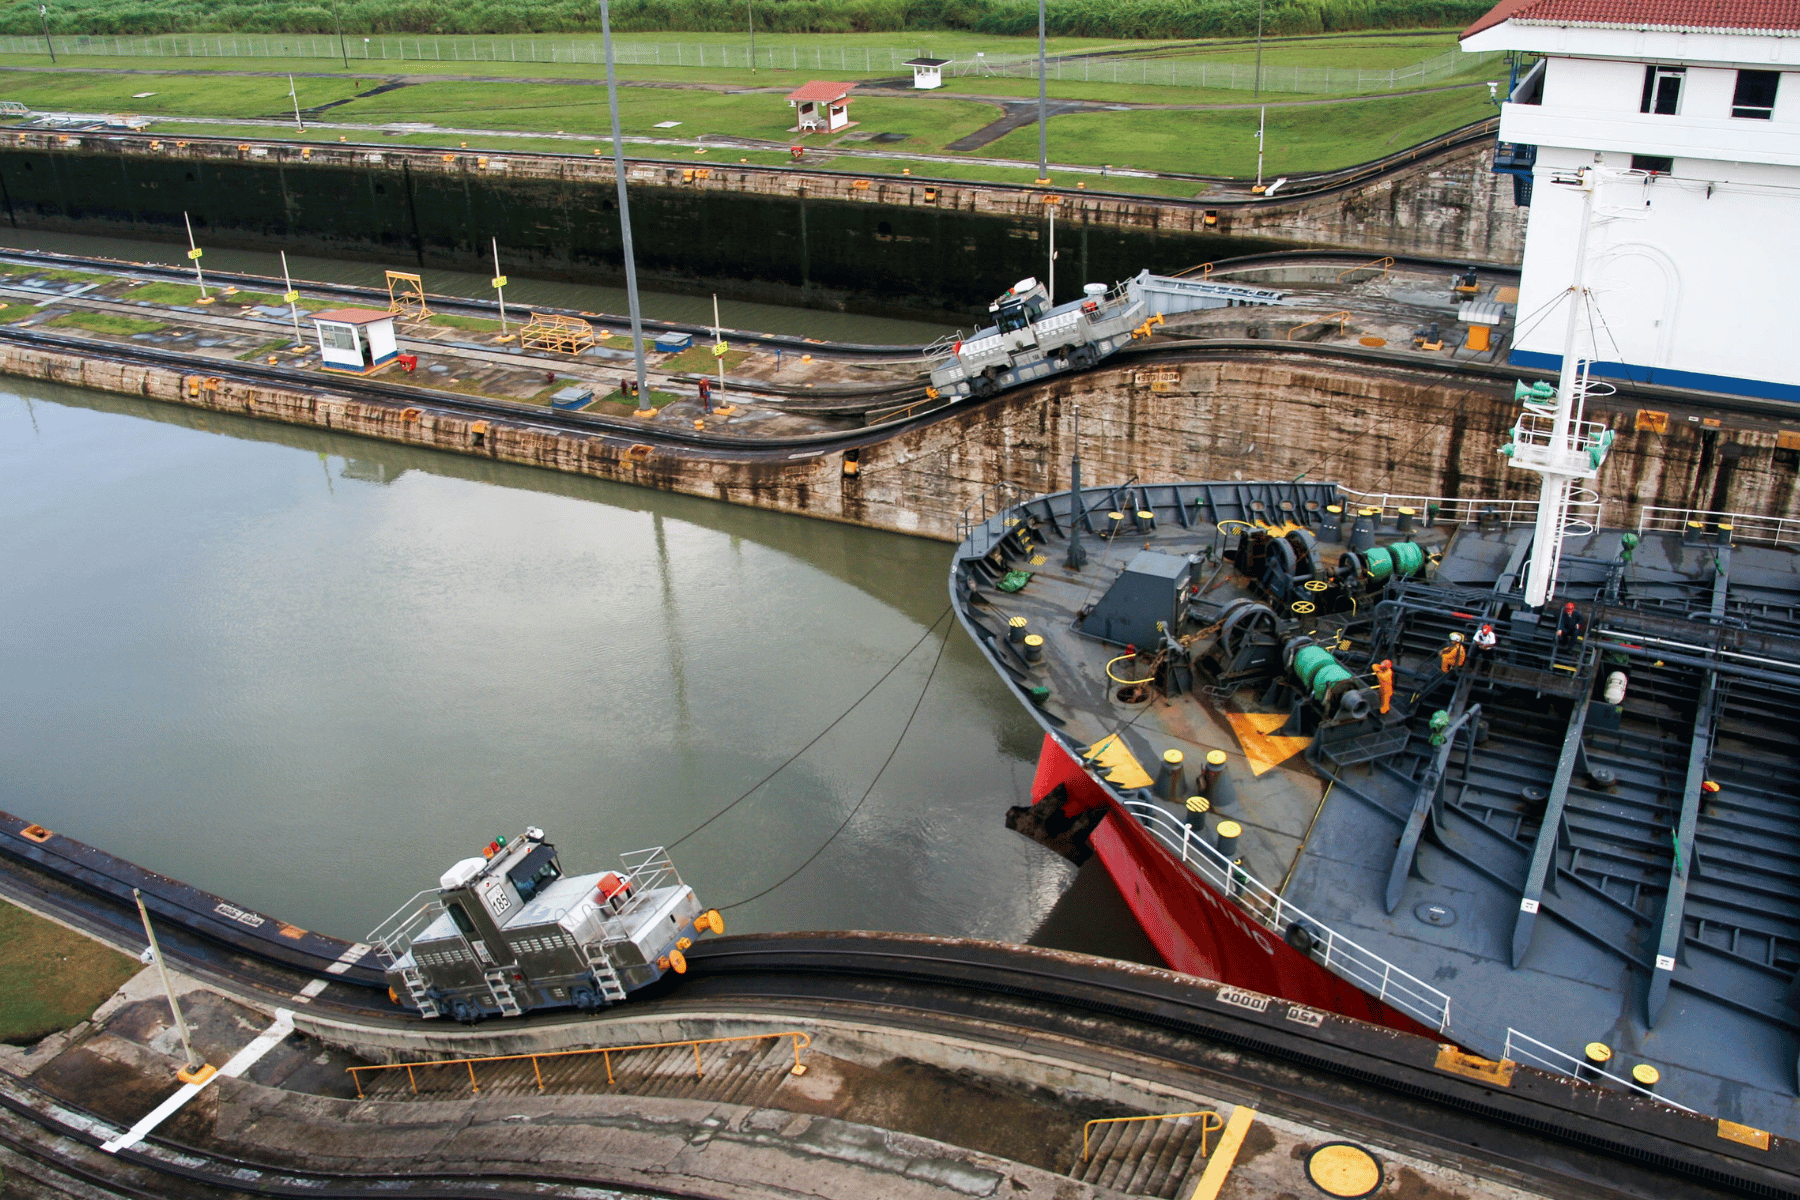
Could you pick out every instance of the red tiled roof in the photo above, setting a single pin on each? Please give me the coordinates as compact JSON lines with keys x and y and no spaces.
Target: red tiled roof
{"x":351,"y":316}
{"x":1690,"y":15}
{"x":820,"y":91}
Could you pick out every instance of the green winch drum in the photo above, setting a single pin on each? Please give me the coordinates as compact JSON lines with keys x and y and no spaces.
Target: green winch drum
{"x":1401,"y":559}
{"x":1318,"y":672}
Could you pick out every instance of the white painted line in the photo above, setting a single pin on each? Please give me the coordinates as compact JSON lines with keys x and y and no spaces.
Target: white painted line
{"x":347,"y":959}
{"x":305,"y":994}
{"x":240,"y":1062}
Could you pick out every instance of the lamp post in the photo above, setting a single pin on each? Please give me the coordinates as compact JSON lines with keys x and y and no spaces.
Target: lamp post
{"x":631,"y":289}
{"x":194,"y":1069}
{"x":751,"y":9}
{"x":1259,"y":23}
{"x":1043,"y":132}
{"x":44,"y":16}
{"x":343,"y":48}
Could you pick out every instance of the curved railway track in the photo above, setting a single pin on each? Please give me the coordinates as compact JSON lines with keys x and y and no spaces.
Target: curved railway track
{"x":1585,"y":1140}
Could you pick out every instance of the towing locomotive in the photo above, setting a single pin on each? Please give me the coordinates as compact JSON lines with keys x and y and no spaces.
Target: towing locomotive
{"x":1031,"y":337}
{"x":507,"y":932}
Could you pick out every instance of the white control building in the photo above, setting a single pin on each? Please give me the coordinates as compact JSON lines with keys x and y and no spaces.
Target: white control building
{"x":1686,"y":114}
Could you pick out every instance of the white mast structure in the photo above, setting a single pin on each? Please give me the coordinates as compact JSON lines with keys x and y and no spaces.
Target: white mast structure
{"x":1551,"y":436}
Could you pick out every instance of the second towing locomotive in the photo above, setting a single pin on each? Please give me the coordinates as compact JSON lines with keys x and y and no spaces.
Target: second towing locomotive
{"x":507,"y":932}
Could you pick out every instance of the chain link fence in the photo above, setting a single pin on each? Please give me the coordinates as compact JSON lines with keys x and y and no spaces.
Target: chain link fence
{"x":842,"y":60}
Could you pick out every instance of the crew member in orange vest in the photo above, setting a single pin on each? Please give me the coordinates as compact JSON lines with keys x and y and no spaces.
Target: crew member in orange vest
{"x":1453,"y":655}
{"x":1384,"y":683}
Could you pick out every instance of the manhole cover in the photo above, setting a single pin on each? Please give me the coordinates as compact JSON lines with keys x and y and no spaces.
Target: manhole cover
{"x":1340,"y":1169}
{"x":1373,"y":341}
{"x":890,"y":137}
{"x":1433,"y":913}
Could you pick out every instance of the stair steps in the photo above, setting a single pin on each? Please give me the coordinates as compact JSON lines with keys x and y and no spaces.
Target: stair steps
{"x":1142,"y":1158}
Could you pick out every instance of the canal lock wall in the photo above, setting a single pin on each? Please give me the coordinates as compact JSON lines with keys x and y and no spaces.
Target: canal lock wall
{"x":1246,"y":414}
{"x":886,"y":245}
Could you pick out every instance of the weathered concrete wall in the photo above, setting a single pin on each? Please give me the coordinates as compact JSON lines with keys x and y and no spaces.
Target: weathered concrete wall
{"x":791,"y":236}
{"x":1247,"y":415}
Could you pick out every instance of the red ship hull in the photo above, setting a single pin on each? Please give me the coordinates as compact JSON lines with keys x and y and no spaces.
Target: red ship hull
{"x":1195,"y":929}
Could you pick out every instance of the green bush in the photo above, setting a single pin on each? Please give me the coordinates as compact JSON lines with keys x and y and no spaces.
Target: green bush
{"x":1071,"y":18}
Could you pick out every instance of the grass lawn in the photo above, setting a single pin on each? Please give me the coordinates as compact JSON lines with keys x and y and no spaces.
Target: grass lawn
{"x":188,"y":294}
{"x":199,"y":94}
{"x":57,"y":276}
{"x":267,"y":349}
{"x":474,"y":324}
{"x":53,"y":978}
{"x":1317,"y":138}
{"x":614,"y":403}
{"x":106,"y":323}
{"x":930,"y":122}
{"x":14,"y":311}
{"x":699,"y":360}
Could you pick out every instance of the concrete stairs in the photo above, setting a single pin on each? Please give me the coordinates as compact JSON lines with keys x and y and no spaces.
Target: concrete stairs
{"x":747,"y":1073}
{"x":1144,"y":1158}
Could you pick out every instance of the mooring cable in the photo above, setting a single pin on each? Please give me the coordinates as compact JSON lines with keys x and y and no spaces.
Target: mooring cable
{"x":868,"y":791}
{"x":789,"y":761}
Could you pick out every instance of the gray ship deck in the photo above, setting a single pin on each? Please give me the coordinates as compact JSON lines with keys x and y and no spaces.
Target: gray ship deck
{"x":1572,"y":846}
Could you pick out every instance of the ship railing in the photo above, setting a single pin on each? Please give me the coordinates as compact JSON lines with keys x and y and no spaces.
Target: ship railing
{"x":1742,"y":527}
{"x":1363,"y":967}
{"x":995,"y":498}
{"x":1584,"y":506}
{"x":1523,"y":1048}
{"x":394,"y":936}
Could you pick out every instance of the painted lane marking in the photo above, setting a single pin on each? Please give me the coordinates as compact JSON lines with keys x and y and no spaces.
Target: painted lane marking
{"x":347,"y":959}
{"x":305,"y":994}
{"x":1224,"y":1156}
{"x":242,"y":1061}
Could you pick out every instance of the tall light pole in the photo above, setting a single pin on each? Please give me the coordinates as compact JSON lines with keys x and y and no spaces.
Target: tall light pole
{"x":1043,"y":133}
{"x":44,"y":16}
{"x":1259,"y":19}
{"x":644,"y":409}
{"x":342,"y":47}
{"x":751,"y":9}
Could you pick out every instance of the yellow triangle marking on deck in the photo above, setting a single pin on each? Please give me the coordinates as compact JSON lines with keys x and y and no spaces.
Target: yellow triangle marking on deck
{"x":1262,"y":751}
{"x":1118,"y":764}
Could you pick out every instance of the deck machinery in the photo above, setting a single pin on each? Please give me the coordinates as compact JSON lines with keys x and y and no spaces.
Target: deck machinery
{"x":507,"y":931}
{"x":1032,"y":338}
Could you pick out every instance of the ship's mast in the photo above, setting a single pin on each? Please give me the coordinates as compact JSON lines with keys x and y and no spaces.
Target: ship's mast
{"x":1551,"y":437}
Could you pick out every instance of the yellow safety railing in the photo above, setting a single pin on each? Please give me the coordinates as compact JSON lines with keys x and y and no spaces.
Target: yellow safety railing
{"x":1210,"y":1123}
{"x":1384,"y":265}
{"x":1342,"y":319}
{"x":801,"y":1041}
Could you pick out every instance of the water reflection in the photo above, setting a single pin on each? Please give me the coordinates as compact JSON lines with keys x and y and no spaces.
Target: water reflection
{"x":313,"y":689}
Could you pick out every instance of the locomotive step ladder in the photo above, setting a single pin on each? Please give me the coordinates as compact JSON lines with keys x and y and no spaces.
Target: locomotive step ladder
{"x":421,"y":995}
{"x":502,"y":990}
{"x":612,"y":988}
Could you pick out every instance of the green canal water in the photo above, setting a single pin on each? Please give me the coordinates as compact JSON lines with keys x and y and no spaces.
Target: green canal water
{"x":308,"y":672}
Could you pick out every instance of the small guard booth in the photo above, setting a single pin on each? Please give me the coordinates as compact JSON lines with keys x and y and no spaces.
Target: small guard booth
{"x":824,"y":107}
{"x":357,"y":340}
{"x":928,"y":73}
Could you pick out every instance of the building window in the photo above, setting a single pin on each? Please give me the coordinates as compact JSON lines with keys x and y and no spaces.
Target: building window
{"x":1662,"y":90}
{"x":1755,"y":94}
{"x":338,"y":337}
{"x":1655,"y":164}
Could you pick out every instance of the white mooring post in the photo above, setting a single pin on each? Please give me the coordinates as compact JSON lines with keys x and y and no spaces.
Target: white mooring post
{"x":194,"y":257}
{"x":293,"y":299}
{"x":195,"y":1071}
{"x":500,"y":289}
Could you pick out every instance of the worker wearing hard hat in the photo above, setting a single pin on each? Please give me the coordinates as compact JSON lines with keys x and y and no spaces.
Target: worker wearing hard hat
{"x":1453,"y":655}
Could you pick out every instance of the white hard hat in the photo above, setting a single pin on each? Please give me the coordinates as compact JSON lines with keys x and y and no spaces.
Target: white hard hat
{"x":1456,"y":637}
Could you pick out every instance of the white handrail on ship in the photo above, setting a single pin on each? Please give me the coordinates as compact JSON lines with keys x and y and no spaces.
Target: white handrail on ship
{"x":1745,"y":527}
{"x":1362,"y":967}
{"x":1518,"y":1050}
{"x":1586,"y":506}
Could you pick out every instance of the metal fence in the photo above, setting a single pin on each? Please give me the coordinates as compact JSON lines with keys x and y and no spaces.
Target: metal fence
{"x":844,"y":60}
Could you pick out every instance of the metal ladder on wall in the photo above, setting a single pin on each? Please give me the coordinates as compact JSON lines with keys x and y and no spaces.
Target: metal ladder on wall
{"x":502,"y":990}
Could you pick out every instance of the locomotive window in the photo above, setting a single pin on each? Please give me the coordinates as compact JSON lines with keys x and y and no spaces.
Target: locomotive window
{"x":1036,"y":308}
{"x":1012,"y":317}
{"x":462,"y":919}
{"x":539,"y":870}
